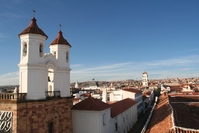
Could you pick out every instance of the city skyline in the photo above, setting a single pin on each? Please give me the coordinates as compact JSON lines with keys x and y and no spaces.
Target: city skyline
{"x":111,"y":40}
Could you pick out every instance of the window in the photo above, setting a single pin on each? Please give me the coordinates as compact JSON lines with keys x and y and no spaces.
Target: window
{"x":116,"y":127}
{"x":104,"y":119}
{"x":25,"y":49}
{"x":41,"y":50}
{"x":67,"y":56}
{"x":50,"y":127}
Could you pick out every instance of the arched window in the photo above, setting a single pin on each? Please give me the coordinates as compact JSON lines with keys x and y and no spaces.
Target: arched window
{"x":41,"y":50}
{"x":54,"y":53}
{"x":24,"y":49}
{"x":67,"y":57}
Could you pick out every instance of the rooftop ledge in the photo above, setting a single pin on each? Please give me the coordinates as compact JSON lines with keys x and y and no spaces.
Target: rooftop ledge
{"x":13,"y":96}
{"x":22,"y":96}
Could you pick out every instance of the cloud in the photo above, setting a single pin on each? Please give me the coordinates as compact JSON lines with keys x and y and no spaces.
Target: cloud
{"x":185,"y":66}
{"x":9,"y":78}
{"x":76,"y":65}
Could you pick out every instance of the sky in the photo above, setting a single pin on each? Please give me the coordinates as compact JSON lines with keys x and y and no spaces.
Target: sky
{"x":111,"y":39}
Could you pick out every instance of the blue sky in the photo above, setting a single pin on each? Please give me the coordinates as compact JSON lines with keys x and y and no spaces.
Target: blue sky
{"x":111,"y":39}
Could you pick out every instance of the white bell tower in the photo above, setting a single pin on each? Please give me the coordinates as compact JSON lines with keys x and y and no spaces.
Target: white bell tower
{"x":60,"y":48}
{"x":32,"y":74}
{"x":145,"y":79}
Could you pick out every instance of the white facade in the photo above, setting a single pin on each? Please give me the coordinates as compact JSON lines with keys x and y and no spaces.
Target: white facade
{"x":122,"y":94}
{"x":116,"y":95}
{"x":123,"y":122}
{"x":134,"y":96}
{"x":145,"y":79}
{"x":91,"y":121}
{"x":103,"y":121}
{"x":39,"y":72}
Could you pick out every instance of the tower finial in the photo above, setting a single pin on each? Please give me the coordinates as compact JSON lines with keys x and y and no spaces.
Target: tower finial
{"x":33,"y":13}
{"x":60,"y":26}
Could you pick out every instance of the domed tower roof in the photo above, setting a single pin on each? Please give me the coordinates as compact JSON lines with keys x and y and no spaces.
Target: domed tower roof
{"x":33,"y":28}
{"x":144,"y":72}
{"x":60,"y":40}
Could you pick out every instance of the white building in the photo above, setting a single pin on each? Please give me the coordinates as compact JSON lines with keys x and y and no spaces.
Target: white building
{"x":43,"y":74}
{"x":133,"y":94}
{"x":145,"y":79}
{"x":94,"y":116}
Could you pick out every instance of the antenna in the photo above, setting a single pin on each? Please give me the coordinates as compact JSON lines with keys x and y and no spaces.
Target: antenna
{"x":33,"y":13}
{"x":60,"y":26}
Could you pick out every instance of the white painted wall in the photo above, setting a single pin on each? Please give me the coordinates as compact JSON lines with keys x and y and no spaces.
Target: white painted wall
{"x":90,"y":121}
{"x":137,"y":97}
{"x":31,"y":67}
{"x":144,"y":79}
{"x":125,"y":121}
{"x":116,"y":95}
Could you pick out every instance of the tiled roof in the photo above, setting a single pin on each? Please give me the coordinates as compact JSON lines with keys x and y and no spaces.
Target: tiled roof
{"x":132,"y":90}
{"x":186,"y":110}
{"x":121,"y":106}
{"x":33,"y":28}
{"x":86,"y":94}
{"x":60,"y":40}
{"x":181,"y":130}
{"x":91,"y":104}
{"x":185,"y":115}
{"x":175,"y":88}
{"x":147,"y":93}
{"x":145,"y":72}
{"x":184,"y":98}
{"x":161,"y":120}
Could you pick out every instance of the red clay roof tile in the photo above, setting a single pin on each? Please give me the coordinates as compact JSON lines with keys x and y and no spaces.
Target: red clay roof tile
{"x":144,"y":72}
{"x":121,"y":106}
{"x":132,"y":90}
{"x":185,"y":114}
{"x":161,"y":120}
{"x":186,"y":110}
{"x":33,"y":28}
{"x":60,"y":40}
{"x":91,"y":104}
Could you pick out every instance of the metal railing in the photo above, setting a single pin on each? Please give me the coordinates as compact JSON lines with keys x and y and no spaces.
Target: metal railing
{"x":52,"y":94}
{"x":13,"y":96}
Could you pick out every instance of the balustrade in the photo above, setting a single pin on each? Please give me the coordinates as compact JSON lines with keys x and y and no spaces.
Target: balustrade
{"x":52,"y":94}
{"x":13,"y":96}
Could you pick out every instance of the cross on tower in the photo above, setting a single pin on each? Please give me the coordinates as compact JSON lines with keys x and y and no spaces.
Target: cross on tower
{"x":60,"y":26}
{"x":33,"y":13}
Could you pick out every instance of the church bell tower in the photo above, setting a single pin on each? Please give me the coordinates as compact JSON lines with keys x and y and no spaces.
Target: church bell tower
{"x":43,"y":102}
{"x":145,"y":79}
{"x":31,"y":67}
